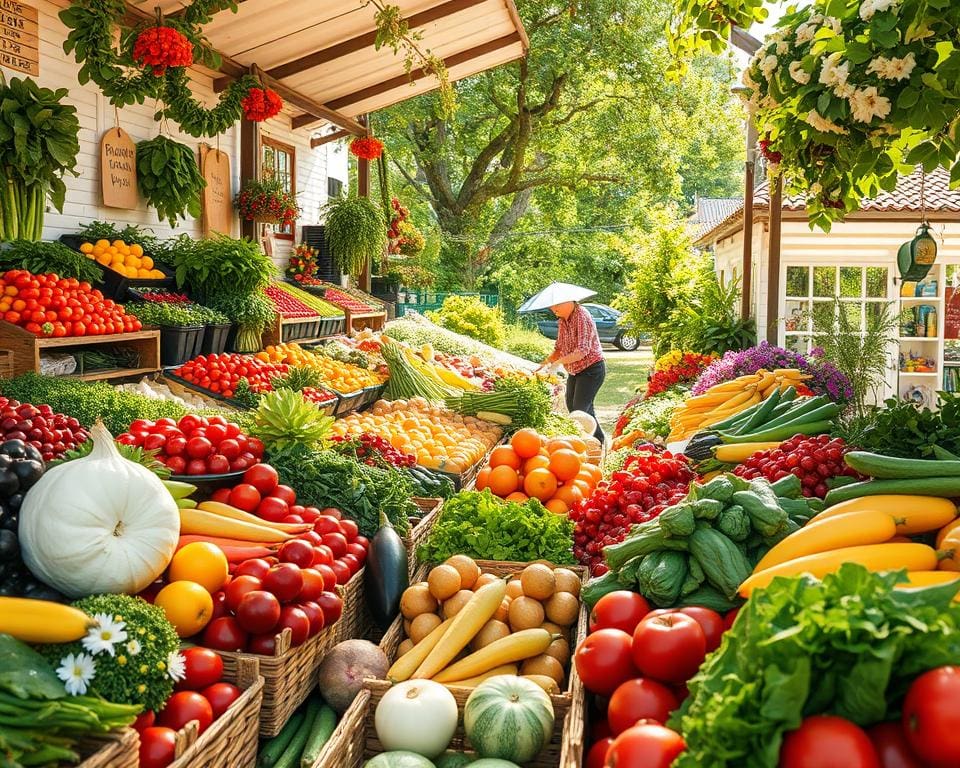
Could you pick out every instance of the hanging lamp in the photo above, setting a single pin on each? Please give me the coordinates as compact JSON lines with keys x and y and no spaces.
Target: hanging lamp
{"x":916,"y":256}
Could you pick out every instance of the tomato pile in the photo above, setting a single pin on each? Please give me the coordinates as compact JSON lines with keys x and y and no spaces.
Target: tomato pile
{"x":160,"y":296}
{"x":196,"y":445}
{"x":201,"y":695}
{"x":288,"y":306}
{"x":221,"y":373}
{"x":372,"y":449}
{"x":48,"y":305}
{"x":813,"y":459}
{"x":318,"y":396}
{"x":53,"y":434}
{"x":648,"y":484}
{"x":345,"y":300}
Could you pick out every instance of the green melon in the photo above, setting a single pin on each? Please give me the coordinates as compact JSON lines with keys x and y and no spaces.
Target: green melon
{"x":454,"y":760}
{"x":508,"y":717}
{"x":399,"y":760}
{"x":493,"y":762}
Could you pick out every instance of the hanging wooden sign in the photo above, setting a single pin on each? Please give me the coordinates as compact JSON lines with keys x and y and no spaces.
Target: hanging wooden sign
{"x":118,"y":170}
{"x":218,"y":214}
{"x":19,"y":37}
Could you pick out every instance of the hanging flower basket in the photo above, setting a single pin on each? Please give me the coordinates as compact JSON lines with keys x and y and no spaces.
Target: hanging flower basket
{"x":303,"y":263}
{"x":261,"y":104}
{"x":366,"y":148}
{"x":267,"y":201}
{"x":162,"y":47}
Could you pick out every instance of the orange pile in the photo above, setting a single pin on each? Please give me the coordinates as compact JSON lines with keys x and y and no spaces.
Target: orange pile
{"x":344,"y":378}
{"x":128,"y":260}
{"x":555,"y":471}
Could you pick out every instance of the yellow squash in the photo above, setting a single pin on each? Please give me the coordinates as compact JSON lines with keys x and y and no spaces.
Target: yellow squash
{"x":914,"y":514}
{"x":919,"y":579}
{"x":547,"y":683}
{"x":473,"y":682}
{"x":208,"y":524}
{"x":42,"y":621}
{"x":516,"y":647}
{"x":232,"y":513}
{"x":407,"y":664}
{"x":738,"y":452}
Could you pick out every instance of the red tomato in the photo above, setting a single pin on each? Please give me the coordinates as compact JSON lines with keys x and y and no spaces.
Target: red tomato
{"x":310,"y":514}
{"x":263,"y":477}
{"x":176,"y":464}
{"x":263,"y":644}
{"x":244,"y":496}
{"x":222,"y":495}
{"x":357,"y":550}
{"x":332,"y":512}
{"x":202,"y":667}
{"x":198,"y":447}
{"x":295,"y":519}
{"x":154,"y":442}
{"x":349,"y":529}
{"x":352,"y":562}
{"x":255,"y":446}
{"x":322,"y":555}
{"x":342,"y":571}
{"x":824,"y":741}
{"x":218,"y":464}
{"x":175,"y":446}
{"x":619,"y":610}
{"x":185,"y":706}
{"x":189,"y":423}
{"x":312,"y":536}
{"x":283,"y":580}
{"x":196,"y":467}
{"x":298,"y":552}
{"x":258,"y":612}
{"x":329,"y":577}
{"x":216,"y":433}
{"x":272,"y":509}
{"x":219,"y":605}
{"x":296,"y":619}
{"x":221,"y":696}
{"x":669,"y":648}
{"x":730,"y":617}
{"x":157,"y":747}
{"x":639,"y":699}
{"x":332,"y":606}
{"x":337,"y":543}
{"x":144,"y":720}
{"x":326,"y":524}
{"x":224,"y":634}
{"x":286,"y":493}
{"x":710,"y":622}
{"x":597,"y":756}
{"x":256,"y":567}
{"x":229,"y":448}
{"x":604,"y":661}
{"x":931,"y":717}
{"x":238,"y":587}
{"x":648,"y":745}
{"x":893,"y":749}
{"x":314,"y":615}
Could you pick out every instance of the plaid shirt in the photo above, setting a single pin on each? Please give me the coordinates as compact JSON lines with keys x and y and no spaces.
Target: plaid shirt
{"x":578,"y":333}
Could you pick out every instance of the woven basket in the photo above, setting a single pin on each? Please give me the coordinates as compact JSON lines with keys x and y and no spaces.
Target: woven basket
{"x":113,"y":750}
{"x":356,"y":621}
{"x":355,"y":737}
{"x":231,"y":740}
{"x":420,"y":529}
{"x":288,"y":676}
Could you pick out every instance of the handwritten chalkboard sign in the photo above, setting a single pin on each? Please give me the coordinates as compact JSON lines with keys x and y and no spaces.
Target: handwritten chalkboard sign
{"x":218,"y":212}
{"x":19,"y":37}
{"x":118,"y":170}
{"x":951,"y":315}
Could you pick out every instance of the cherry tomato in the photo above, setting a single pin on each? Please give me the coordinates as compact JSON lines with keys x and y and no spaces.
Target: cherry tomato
{"x":221,"y":696}
{"x":157,"y":747}
{"x":639,"y":699}
{"x":619,"y":610}
{"x":604,"y":661}
{"x":244,"y":496}
{"x":263,"y":477}
{"x":184,"y":706}
{"x":931,"y":717}
{"x":669,"y":648}
{"x":202,"y":667}
{"x":825,"y":741}
{"x":730,"y":617}
{"x":648,"y":745}
{"x":893,"y":749}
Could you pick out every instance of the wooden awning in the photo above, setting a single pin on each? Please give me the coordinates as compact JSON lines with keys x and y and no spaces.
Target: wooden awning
{"x":320,"y":54}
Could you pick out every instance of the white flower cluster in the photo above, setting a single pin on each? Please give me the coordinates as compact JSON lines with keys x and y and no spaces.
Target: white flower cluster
{"x":870,"y":7}
{"x":893,"y":69}
{"x":823,"y":125}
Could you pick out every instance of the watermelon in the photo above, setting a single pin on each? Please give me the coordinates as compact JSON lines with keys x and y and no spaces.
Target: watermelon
{"x":493,"y":762}
{"x":508,"y":717}
{"x":454,"y":760}
{"x":399,"y":759}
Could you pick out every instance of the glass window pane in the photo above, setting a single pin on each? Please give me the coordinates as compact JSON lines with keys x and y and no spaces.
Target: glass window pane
{"x":823,"y":316}
{"x":851,"y":282}
{"x":798,"y":281}
{"x":824,"y":281}
{"x":876,"y":282}
{"x":854,"y":313}
{"x":874,"y":311}
{"x":797,"y":316}
{"x":796,"y":343}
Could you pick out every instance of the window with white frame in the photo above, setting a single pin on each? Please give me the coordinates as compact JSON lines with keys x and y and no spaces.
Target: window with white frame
{"x":810,"y":299}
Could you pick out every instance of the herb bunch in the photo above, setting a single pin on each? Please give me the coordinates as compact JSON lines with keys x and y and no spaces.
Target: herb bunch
{"x":169,"y":178}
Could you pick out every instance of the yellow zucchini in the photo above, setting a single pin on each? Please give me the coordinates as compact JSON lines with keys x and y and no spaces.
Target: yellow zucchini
{"x":874,"y":557}
{"x":738,"y":452}
{"x":516,"y":647}
{"x":465,"y":625}
{"x":918,"y":579}
{"x":473,"y":682}
{"x":228,"y":511}
{"x":42,"y":621}
{"x":407,"y":664}
{"x":851,"y":530}
{"x":945,"y":531}
{"x":208,"y":524}
{"x":913,"y":514}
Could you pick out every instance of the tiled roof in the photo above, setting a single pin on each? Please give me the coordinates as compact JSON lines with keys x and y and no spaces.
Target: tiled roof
{"x":710,"y":212}
{"x":906,"y":197}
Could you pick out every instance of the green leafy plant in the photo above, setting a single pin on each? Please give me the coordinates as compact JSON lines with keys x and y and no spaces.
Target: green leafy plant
{"x":355,"y":231}
{"x":38,"y":144}
{"x":469,"y":316}
{"x":170,"y":315}
{"x":43,"y":257}
{"x":526,"y":343}
{"x":220,"y":265}
{"x":283,"y":418}
{"x":709,"y":322}
{"x":298,"y":378}
{"x":253,"y":312}
{"x":169,"y":178}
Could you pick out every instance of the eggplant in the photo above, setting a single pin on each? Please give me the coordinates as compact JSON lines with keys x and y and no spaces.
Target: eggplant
{"x":385,"y":574}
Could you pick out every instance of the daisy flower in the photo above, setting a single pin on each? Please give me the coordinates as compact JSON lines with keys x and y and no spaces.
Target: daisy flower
{"x":105,"y":635}
{"x":133,"y":647}
{"x":76,"y":670}
{"x":176,"y":666}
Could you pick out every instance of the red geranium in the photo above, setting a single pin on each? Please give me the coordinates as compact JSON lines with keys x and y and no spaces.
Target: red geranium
{"x":686,"y":371}
{"x":261,"y":104}
{"x":366,"y":147}
{"x":162,"y":47}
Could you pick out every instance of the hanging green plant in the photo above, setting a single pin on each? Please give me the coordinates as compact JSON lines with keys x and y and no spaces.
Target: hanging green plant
{"x":169,"y":178}
{"x":355,"y":231}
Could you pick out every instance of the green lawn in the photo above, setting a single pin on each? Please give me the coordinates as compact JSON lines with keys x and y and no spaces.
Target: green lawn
{"x":625,"y":372}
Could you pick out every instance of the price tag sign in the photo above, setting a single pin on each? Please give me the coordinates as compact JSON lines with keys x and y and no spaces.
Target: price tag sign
{"x":118,"y":170}
{"x":19,"y":37}
{"x":218,"y":214}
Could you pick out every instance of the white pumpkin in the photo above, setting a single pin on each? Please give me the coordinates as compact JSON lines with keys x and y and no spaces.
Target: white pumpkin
{"x":417,"y":716}
{"x":100,"y":524}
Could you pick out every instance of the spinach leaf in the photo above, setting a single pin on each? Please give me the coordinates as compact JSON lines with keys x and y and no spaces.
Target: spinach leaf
{"x":25,"y":673}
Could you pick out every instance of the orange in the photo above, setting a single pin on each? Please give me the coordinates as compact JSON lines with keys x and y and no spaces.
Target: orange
{"x":586,"y":477}
{"x":593,"y":470}
{"x":503,"y":481}
{"x":585,"y":488}
{"x":577,"y":444}
{"x":564,"y":464}
{"x":540,"y":484}
{"x":483,"y":478}
{"x":518,"y":496}
{"x":137,"y":250}
{"x":557,"y":445}
{"x":200,"y":562}
{"x":102,"y":244}
{"x":505,"y":456}
{"x":569,"y":494}
{"x":526,"y":442}
{"x":86,"y":247}
{"x":188,"y":606}
{"x":536,"y":462}
{"x":557,"y":506}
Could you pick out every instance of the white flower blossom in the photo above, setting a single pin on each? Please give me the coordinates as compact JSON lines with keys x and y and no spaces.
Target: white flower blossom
{"x":844,"y":90}
{"x":104,"y":635}
{"x":870,"y":7}
{"x":834,"y":23}
{"x":133,"y":647}
{"x":76,"y":671}
{"x":769,"y":65}
{"x":833,"y":73}
{"x":823,"y":125}
{"x":748,"y":81}
{"x":176,"y":666}
{"x":783,"y":48}
{"x":806,"y":32}
{"x":798,"y":73}
{"x":867,"y":103}
{"x":893,"y":69}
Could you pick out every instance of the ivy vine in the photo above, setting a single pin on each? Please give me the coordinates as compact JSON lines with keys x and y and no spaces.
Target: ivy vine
{"x":92,"y":25}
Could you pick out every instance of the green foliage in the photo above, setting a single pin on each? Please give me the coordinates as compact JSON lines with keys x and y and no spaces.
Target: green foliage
{"x":902,"y":428}
{"x":355,"y":231}
{"x":169,"y":178}
{"x":42,"y":257}
{"x":283,"y":419}
{"x":469,"y":316}
{"x":170,"y":315}
{"x":253,"y":311}
{"x":709,"y":322}
{"x":220,"y":264}
{"x":526,"y":343}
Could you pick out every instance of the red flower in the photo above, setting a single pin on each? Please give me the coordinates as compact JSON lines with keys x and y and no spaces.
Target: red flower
{"x":162,"y":47}
{"x":261,"y":104}
{"x":366,"y":147}
{"x":771,"y":155}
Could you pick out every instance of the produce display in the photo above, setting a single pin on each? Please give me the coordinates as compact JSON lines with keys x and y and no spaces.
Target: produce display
{"x":221,"y":374}
{"x":127,"y":259}
{"x":518,"y":402}
{"x":52,"y":434}
{"x":817,"y":461}
{"x":287,"y":305}
{"x":21,"y":466}
{"x":302,"y":738}
{"x":344,"y":378}
{"x":318,"y":305}
{"x":159,"y":295}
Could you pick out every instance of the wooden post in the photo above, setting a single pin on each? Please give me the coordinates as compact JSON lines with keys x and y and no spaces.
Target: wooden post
{"x":746,"y":282}
{"x":773,"y":263}
{"x":249,"y":165}
{"x":363,"y":190}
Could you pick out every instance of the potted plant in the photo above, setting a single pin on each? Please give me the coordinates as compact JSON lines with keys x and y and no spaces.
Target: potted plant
{"x":355,"y":231}
{"x":252,"y":312}
{"x":216,"y":330}
{"x":181,"y":329}
{"x":266,"y":200}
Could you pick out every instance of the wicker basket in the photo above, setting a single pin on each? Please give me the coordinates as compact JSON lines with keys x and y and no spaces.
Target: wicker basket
{"x":113,"y":750}
{"x":356,"y":621}
{"x":231,"y":740}
{"x":288,"y":676}
{"x":420,"y":529}
{"x":355,"y":737}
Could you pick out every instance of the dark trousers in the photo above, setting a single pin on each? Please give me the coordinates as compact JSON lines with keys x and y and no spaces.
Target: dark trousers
{"x":583,"y":388}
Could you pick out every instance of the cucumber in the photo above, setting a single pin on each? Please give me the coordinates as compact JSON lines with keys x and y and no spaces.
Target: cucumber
{"x":322,"y":730}
{"x":782,"y":433}
{"x":944,"y":455}
{"x":891,"y":467}
{"x":944,"y":487}
{"x":799,"y":409}
{"x":762,"y":413}
{"x":274,"y":748}
{"x":291,"y":755}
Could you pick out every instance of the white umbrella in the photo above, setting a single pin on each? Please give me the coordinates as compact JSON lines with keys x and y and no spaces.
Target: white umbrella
{"x":556,"y":293}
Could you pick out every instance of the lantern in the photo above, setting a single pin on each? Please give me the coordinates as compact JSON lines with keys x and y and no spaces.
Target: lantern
{"x":915,"y":257}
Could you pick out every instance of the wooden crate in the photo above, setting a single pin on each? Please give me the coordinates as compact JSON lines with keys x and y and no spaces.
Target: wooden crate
{"x":112,"y":750}
{"x":231,"y":740}
{"x":359,"y":321}
{"x":25,"y":348}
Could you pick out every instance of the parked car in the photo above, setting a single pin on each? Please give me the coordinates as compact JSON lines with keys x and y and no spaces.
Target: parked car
{"x":608,"y":324}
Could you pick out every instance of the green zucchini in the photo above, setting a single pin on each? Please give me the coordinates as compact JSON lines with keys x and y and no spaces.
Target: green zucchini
{"x":599,"y":586}
{"x":762,"y":413}
{"x":642,"y":540}
{"x":944,"y":487}
{"x":273,"y":749}
{"x":944,"y":455}
{"x":891,"y":467}
{"x":323,"y":728}
{"x":782,"y":433}
{"x":708,"y":597}
{"x":291,"y":755}
{"x":788,"y":487}
{"x":798,"y":409}
{"x":724,"y":564}
{"x":661,"y":576}
{"x":739,"y":416}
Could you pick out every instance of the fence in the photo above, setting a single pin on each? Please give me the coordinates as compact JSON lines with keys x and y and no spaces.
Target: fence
{"x":421,"y":301}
